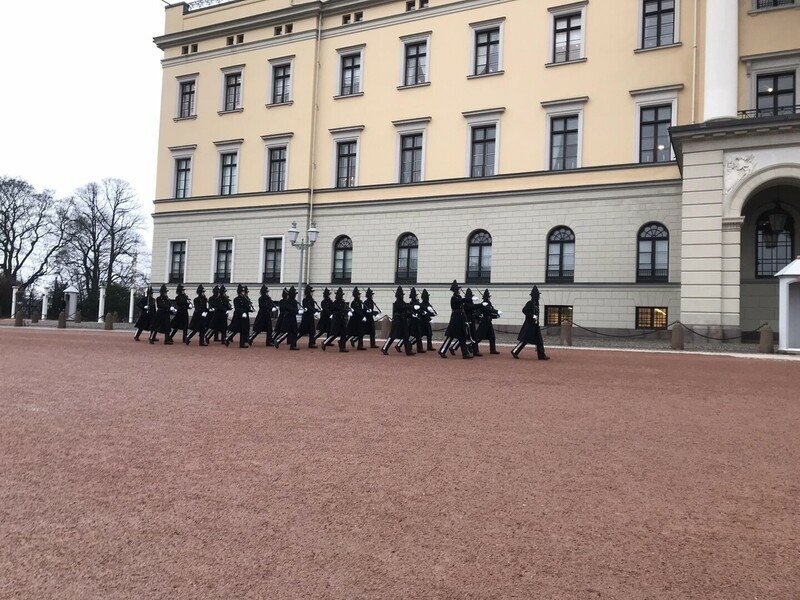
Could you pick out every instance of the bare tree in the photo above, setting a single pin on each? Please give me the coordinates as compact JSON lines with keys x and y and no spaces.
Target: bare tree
{"x":122,"y":222}
{"x":34,"y":227}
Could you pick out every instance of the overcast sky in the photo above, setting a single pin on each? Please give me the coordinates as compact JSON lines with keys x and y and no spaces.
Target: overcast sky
{"x":80,"y":94}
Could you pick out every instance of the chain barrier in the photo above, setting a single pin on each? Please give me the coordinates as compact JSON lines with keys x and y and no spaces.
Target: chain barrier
{"x":652,"y":331}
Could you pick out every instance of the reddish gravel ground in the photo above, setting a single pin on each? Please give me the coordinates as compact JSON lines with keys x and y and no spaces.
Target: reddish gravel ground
{"x":137,"y":471}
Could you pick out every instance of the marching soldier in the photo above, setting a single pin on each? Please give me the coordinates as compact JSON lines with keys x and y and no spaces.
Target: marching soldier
{"x":181,"y":318}
{"x":161,"y":320}
{"x":307,"y":323}
{"x":212,"y":309}
{"x":471,"y":316}
{"x":263,"y":321}
{"x":427,"y":312}
{"x":457,"y":327}
{"x":199,"y":317}
{"x":147,"y":312}
{"x":338,"y":322}
{"x":531,"y":333}
{"x":326,"y":311}
{"x":287,"y":319}
{"x":400,"y":314}
{"x":486,"y":328}
{"x":240,"y":323}
{"x":221,"y":314}
{"x":357,"y":322}
{"x":370,"y":311}
{"x":414,"y":323}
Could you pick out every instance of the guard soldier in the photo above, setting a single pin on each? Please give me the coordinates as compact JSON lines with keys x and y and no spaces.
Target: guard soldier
{"x":147,"y":312}
{"x":486,"y":328}
{"x":531,"y":333}
{"x":472,"y":315}
{"x":427,"y":313}
{"x":287,"y":319}
{"x":181,"y":318}
{"x":240,"y":323}
{"x":326,"y":311}
{"x":338,"y":322}
{"x":414,"y":323}
{"x":221,"y":314}
{"x":401,"y":311}
{"x":212,"y":309}
{"x":263,"y":321}
{"x":370,"y":311}
{"x":199,"y":317}
{"x":161,"y":321}
{"x":456,"y":332}
{"x":307,"y":323}
{"x":358,"y":320}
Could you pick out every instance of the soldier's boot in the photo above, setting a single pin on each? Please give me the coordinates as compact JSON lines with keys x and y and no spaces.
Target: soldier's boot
{"x":517,"y":349}
{"x":430,"y":344}
{"x":409,"y":348}
{"x":476,"y":351}
{"x":311,"y":342}
{"x":343,"y":344}
{"x":167,"y":340}
{"x":443,"y":348}
{"x":399,"y":345}
{"x":372,"y":343}
{"x":420,"y":346}
{"x":138,"y":333}
{"x":360,"y":345}
{"x":493,"y":347}
{"x":386,"y":346}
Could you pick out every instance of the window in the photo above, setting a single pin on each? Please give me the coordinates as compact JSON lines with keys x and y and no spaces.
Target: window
{"x":487,"y":51}
{"x":423,"y":3}
{"x":281,"y":83}
{"x":407,"y":248}
{"x":564,"y":143}
{"x":555,"y":315}
{"x":651,"y":317}
{"x":479,"y":257}
{"x":224,"y":261}
{"x":177,"y":261}
{"x":240,"y":38}
{"x":289,"y":27}
{"x":342,"y":260}
{"x":416,"y":63}
{"x":774,"y":3}
{"x":654,"y":144}
{"x":358,"y":16}
{"x":233,"y":91}
{"x":774,"y":242}
{"x":273,"y":250}
{"x":183,"y":173}
{"x":184,"y":49}
{"x":775,"y":94}
{"x":411,"y":158}
{"x":228,"y":179}
{"x":277,"y":169}
{"x":345,"y":19}
{"x":229,"y":41}
{"x":411,"y":5}
{"x":278,"y":29}
{"x":561,"y":256}
{"x":350,"y":79}
{"x":187,"y":94}
{"x":658,"y":23}
{"x":653,"y":250}
{"x":346,"y":156}
{"x":567,"y":37}
{"x":194,"y":48}
{"x":482,"y":152}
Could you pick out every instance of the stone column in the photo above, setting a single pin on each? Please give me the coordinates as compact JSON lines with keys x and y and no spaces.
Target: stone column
{"x":102,"y":308}
{"x":721,"y":60}
{"x":44,"y":304}
{"x":14,"y":301}
{"x":130,"y":306}
{"x":731,"y":274}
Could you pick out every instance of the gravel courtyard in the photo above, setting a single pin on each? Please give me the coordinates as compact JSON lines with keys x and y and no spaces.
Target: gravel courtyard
{"x":136,"y":471}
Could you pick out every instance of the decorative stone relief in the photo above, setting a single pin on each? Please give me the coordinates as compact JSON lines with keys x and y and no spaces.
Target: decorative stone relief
{"x":736,"y":169}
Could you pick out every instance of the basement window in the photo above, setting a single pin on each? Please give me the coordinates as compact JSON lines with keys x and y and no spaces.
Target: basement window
{"x":289,"y":27}
{"x":346,"y":19}
{"x":185,"y":50}
{"x":240,"y":38}
{"x":358,"y":17}
{"x":194,"y":47}
{"x":279,"y":30}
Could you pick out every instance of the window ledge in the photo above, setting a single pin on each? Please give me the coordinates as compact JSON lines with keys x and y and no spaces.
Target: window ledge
{"x":230,"y":112}
{"x":413,"y":85}
{"x":189,"y":118}
{"x":767,"y":9}
{"x":482,"y":75}
{"x":565,"y":62}
{"x":342,"y":96}
{"x":276,"y":104}
{"x":665,"y":46}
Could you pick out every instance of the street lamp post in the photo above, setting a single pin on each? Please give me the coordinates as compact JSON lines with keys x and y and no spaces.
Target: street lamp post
{"x":302,"y":245}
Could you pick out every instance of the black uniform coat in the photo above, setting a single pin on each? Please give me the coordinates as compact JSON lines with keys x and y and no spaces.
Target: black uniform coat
{"x":181,"y":318}
{"x":530,"y":333}
{"x":146,"y":313}
{"x":456,"y":328}
{"x":307,"y":323}
{"x":221,"y":308}
{"x":161,"y":322}
{"x":287,"y":318}
{"x":488,"y":314}
{"x":339,"y":318}
{"x":472,"y":314}
{"x":369,"y":308}
{"x":425,"y":318}
{"x":241,"y":306}
{"x":324,"y":325}
{"x":198,"y":322}
{"x":400,"y":315}
{"x":355,"y":327}
{"x":263,"y":321}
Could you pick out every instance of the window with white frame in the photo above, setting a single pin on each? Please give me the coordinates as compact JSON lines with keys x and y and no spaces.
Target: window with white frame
{"x":567,"y":33}
{"x":273,"y":260}
{"x":483,"y":142}
{"x":277,"y":161}
{"x":182,"y":171}
{"x":229,"y":154}
{"x":487,"y":47}
{"x":351,"y":64}
{"x":187,"y":95}
{"x":658,"y":23}
{"x":772,"y":83}
{"x":223,"y":260}
{"x":232,"y":86}
{"x":655,"y":112}
{"x":281,"y":80}
{"x":564,"y":133}
{"x":415,"y":60}
{"x":177,"y":261}
{"x":411,"y":135}
{"x":346,"y":143}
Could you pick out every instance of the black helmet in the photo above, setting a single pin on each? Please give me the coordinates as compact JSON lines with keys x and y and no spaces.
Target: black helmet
{"x":454,"y":287}
{"x":535,"y":293}
{"x":149,"y":290}
{"x":486,"y":294}
{"x":215,"y":291}
{"x":309,"y":290}
{"x":468,"y":293}
{"x":239,"y":289}
{"x":425,"y":294}
{"x":339,"y":294}
{"x":356,"y":292}
{"x":246,"y":290}
{"x":264,"y":290}
{"x":398,"y":293}
{"x":179,"y":289}
{"x":200,"y":289}
{"x":285,"y":293}
{"x":292,"y":292}
{"x":369,"y":292}
{"x":326,"y":292}
{"x":163,"y":289}
{"x":413,"y":293}
{"x":222,"y":290}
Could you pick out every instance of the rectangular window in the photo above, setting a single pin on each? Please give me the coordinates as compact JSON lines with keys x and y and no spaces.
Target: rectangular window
{"x":224,"y":261}
{"x":658,"y":23}
{"x":774,"y":3}
{"x":187,"y":91}
{"x":281,"y":79}
{"x":482,"y":151}
{"x":183,"y":172}
{"x":564,"y":143}
{"x":411,"y":158}
{"x":177,"y":262}
{"x":654,"y":124}
{"x":775,"y":94}
{"x":273,"y":249}
{"x":233,"y":91}
{"x":487,"y":51}
{"x":346,"y":155}
{"x":350,"y":82}
{"x":555,"y":315}
{"x":228,"y":179}
{"x":416,"y":63}
{"x":567,"y":38}
{"x":277,"y":169}
{"x":651,"y":317}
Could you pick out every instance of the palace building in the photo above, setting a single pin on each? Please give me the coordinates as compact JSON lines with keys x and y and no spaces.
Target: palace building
{"x":638,"y":160}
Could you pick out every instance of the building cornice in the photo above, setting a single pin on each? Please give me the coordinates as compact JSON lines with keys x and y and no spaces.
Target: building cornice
{"x":675,"y":87}
{"x":246,"y":47}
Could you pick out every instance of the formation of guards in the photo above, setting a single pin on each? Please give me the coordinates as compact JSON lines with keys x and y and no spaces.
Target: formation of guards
{"x":339,"y":321}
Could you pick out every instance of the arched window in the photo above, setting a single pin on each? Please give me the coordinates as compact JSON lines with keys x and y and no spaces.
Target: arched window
{"x":342,"y":259}
{"x":479,"y":257}
{"x":407,"y":248}
{"x":560,"y":256}
{"x":774,"y":241}
{"x":653,"y":251}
